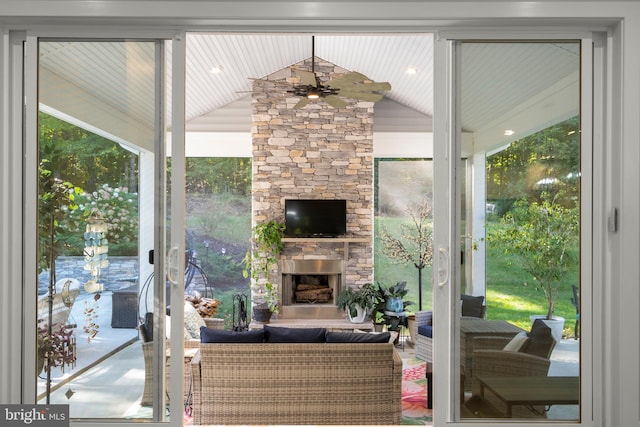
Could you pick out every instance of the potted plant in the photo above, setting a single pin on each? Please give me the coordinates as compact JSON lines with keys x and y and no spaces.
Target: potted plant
{"x":267,"y":246}
{"x":55,"y":346}
{"x":542,"y":235}
{"x":377,"y":311}
{"x":356,"y":302}
{"x":394,"y":297}
{"x":395,"y":306}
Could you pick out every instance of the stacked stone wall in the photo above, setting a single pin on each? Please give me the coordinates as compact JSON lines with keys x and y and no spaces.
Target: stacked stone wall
{"x":315,"y":152}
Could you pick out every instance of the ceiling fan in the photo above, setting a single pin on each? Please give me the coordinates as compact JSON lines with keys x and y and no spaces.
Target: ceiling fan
{"x":349,"y":85}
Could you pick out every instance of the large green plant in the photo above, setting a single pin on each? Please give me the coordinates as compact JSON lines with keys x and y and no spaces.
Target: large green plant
{"x":267,"y":245}
{"x":541,"y":236}
{"x":364,"y":296}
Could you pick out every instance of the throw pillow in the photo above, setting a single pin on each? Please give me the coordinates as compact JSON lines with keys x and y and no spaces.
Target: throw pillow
{"x":517,"y":343}
{"x":472,"y":306}
{"x":354,"y":337}
{"x":425,"y":331}
{"x":192,"y":320}
{"x":392,"y":334}
{"x":294,"y":335}
{"x":541,"y":341}
{"x":208,"y":335}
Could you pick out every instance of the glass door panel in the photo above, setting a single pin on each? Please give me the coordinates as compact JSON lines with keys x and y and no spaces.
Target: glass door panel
{"x":519,"y":212}
{"x":101,"y":293}
{"x":511,"y":222}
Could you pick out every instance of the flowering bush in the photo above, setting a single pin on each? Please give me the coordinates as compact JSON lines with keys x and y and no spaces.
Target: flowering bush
{"x":118,"y":207}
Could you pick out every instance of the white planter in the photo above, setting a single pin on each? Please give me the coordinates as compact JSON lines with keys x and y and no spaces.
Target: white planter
{"x":556,"y":324}
{"x":359,"y":318}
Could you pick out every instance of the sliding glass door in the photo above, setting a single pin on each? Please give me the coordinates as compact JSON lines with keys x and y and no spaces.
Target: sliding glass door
{"x":512,"y":229}
{"x":100,"y":134}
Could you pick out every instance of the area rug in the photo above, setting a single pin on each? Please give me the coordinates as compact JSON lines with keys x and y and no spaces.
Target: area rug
{"x":414,"y":394}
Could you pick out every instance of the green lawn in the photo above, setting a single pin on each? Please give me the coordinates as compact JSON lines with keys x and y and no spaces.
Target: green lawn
{"x":511,"y":293}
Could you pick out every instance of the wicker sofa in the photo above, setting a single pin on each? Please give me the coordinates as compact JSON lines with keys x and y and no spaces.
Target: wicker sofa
{"x":297,"y":383}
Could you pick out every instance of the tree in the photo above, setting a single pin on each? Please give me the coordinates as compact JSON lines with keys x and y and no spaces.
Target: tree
{"x":546,"y":161}
{"x":415,"y":244}
{"x":541,"y":235}
{"x":55,"y":199}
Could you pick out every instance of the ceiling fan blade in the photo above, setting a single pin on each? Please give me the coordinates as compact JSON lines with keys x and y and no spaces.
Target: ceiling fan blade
{"x":370,"y":87}
{"x":347,"y":79}
{"x":363,"y":96}
{"x":306,"y":77}
{"x":275,"y":82}
{"x":301,"y":104}
{"x":335,"y":101}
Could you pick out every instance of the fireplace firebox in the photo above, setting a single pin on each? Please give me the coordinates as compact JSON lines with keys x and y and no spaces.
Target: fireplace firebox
{"x":310,"y":288}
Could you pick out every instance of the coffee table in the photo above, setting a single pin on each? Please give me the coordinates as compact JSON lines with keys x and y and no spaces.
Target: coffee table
{"x":532,"y":391}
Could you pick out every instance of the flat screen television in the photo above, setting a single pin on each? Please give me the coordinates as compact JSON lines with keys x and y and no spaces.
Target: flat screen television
{"x":315,"y":218}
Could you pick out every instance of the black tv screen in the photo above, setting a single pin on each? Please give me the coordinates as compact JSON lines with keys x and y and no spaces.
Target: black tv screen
{"x":315,"y":218}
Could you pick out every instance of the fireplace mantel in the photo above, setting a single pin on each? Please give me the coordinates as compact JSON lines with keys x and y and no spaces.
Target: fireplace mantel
{"x":326,"y":239}
{"x":330,"y":240}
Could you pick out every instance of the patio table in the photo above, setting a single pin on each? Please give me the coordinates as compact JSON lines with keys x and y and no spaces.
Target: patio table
{"x":532,"y":391}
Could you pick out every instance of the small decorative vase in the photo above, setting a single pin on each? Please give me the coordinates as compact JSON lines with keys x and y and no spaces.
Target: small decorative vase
{"x":395,"y":304}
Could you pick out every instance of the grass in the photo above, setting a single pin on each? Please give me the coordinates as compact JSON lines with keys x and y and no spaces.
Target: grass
{"x":511,"y":294}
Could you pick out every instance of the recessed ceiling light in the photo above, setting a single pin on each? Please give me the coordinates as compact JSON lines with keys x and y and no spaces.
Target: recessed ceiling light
{"x":215,"y":69}
{"x":411,"y":70}
{"x":508,"y":132}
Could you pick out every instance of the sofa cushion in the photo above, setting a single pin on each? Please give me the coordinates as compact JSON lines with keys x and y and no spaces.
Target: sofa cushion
{"x":425,"y":331}
{"x":294,"y":335}
{"x":540,"y":341}
{"x":192,"y":320}
{"x":354,"y":337}
{"x":208,"y":335}
{"x":472,"y":306}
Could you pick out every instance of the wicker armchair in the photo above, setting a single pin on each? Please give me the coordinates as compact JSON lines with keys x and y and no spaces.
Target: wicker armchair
{"x":491,"y":360}
{"x":147,"y":352}
{"x":424,"y":348}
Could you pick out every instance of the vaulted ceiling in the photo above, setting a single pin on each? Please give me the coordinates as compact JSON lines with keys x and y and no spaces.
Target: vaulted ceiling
{"x":523,"y":87}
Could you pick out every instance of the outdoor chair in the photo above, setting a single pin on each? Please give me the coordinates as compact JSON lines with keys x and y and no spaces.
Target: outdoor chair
{"x":527,"y":354}
{"x":66,"y":292}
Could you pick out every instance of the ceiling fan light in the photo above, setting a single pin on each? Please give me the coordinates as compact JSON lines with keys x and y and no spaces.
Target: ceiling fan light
{"x":313,"y":95}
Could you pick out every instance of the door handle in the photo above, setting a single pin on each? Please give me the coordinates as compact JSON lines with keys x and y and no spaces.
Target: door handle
{"x":443,"y":266}
{"x":173,"y":269}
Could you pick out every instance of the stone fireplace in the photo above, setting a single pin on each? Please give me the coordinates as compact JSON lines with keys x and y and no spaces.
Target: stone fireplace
{"x":315,"y":152}
{"x":310,"y":288}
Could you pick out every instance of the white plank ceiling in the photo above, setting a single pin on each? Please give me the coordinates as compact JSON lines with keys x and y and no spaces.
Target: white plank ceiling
{"x":497,"y":78}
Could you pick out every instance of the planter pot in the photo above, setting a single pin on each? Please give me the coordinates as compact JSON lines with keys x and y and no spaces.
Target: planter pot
{"x":395,"y":304}
{"x":378,"y":327}
{"x":359,"y":318}
{"x":556,"y":324}
{"x":261,"y":315}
